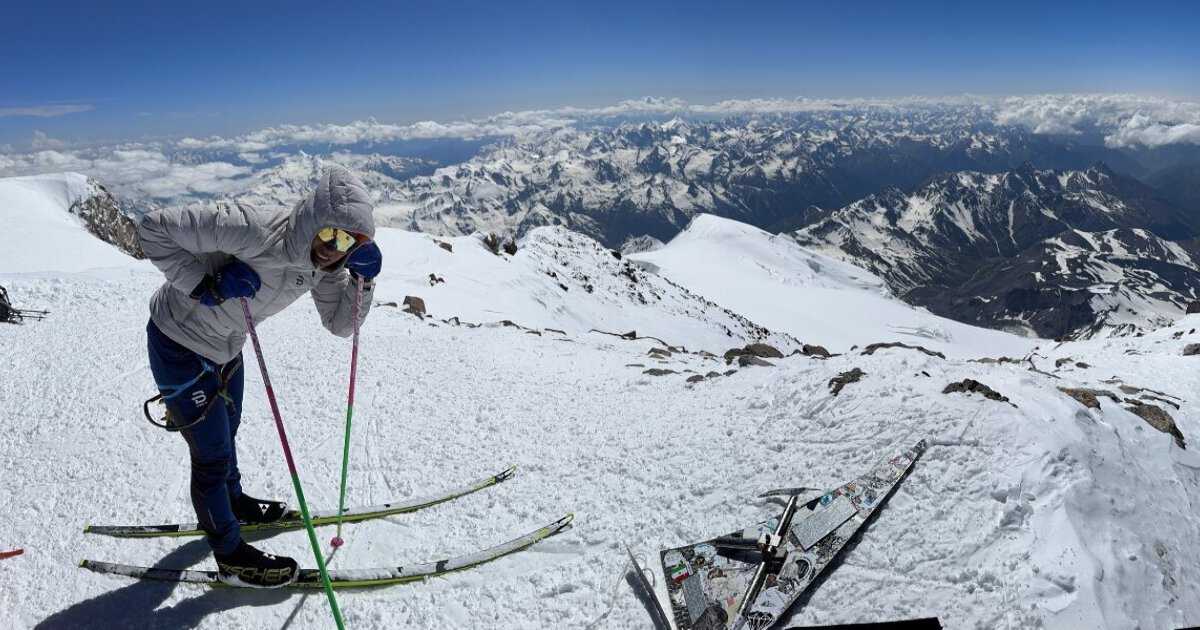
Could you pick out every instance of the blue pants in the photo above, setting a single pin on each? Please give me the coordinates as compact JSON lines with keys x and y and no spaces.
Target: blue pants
{"x":190,"y":384}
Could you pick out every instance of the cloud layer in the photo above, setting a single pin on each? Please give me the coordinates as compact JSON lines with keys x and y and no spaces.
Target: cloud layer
{"x":169,"y":170}
{"x":143,"y":170}
{"x":1125,"y":120}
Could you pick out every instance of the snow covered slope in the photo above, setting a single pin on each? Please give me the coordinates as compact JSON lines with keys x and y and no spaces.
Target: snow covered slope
{"x":1038,"y":512}
{"x":39,"y":232}
{"x":557,"y":279}
{"x":816,"y":298}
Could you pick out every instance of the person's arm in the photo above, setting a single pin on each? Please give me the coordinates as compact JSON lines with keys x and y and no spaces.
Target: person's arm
{"x":334,"y":294}
{"x":334,"y":297}
{"x":174,"y":237}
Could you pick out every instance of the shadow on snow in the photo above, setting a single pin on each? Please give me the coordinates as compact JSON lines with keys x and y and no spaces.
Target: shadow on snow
{"x":138,"y":604}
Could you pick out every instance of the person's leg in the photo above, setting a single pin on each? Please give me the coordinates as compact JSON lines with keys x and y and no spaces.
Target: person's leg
{"x":247,"y":509}
{"x":234,"y":387}
{"x":210,"y":443}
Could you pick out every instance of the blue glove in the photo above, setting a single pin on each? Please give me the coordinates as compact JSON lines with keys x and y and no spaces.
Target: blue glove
{"x":366,"y":260}
{"x":234,"y":280}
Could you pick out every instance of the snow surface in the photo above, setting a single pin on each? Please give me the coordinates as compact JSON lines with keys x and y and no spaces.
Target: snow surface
{"x":1040,"y":514}
{"x":818,"y":299}
{"x":39,"y":235}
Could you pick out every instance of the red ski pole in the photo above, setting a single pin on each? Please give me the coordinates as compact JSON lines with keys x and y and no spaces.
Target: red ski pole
{"x":291,"y":464}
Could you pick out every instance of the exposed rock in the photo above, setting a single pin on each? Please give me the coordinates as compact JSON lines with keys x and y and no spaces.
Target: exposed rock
{"x":1063,"y":361}
{"x":1158,"y":418}
{"x":896,"y":344}
{"x":435,"y":279}
{"x":845,"y":378}
{"x":747,"y":360}
{"x":760,"y":350}
{"x":631,"y":335}
{"x":644,"y":243}
{"x":446,"y":246}
{"x":1148,"y":398}
{"x":555,"y":330}
{"x":1089,"y":397}
{"x":1084,"y":396}
{"x":969,"y":386}
{"x":995,"y":361}
{"x":414,"y":305}
{"x":1134,"y":390}
{"x":658,"y":372}
{"x":1193,"y":308}
{"x":712,"y":374}
{"x":641,"y":365}
{"x":730,"y":372}
{"x":1081,"y":365}
{"x":765,"y":351}
{"x":661,"y":353}
{"x":491,"y":241}
{"x":104,"y":219}
{"x":1192,"y":349}
{"x":696,"y":378}
{"x":510,"y":247}
{"x":810,"y":350}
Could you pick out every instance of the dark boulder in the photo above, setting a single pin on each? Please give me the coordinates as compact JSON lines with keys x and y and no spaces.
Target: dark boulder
{"x":971,"y":386}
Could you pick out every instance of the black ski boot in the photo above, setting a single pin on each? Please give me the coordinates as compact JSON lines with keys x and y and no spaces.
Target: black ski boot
{"x":248,"y":566}
{"x":247,"y":509}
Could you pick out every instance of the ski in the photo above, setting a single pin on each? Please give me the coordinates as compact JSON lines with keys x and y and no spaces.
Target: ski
{"x":292,"y":519}
{"x":645,"y":592}
{"x":348,"y":578}
{"x":11,"y":553}
{"x":748,"y":579}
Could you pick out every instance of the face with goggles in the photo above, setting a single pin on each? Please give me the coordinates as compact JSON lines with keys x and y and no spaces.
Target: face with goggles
{"x":331,"y":245}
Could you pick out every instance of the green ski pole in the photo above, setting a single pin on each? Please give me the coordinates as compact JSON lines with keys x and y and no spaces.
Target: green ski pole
{"x":337,"y":539}
{"x":291,"y":464}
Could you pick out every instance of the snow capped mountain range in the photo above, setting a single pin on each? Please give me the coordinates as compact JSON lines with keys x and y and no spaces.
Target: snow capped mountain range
{"x":1053,"y":253}
{"x":650,"y":178}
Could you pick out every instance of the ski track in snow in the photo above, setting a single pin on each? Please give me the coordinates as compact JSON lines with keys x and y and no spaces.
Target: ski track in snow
{"x":1044,"y":514}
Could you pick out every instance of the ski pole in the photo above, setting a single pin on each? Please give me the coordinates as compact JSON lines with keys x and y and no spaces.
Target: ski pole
{"x":337,"y":539}
{"x":291,"y":464}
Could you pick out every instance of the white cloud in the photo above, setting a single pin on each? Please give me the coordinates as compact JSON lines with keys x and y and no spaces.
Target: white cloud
{"x":142,"y":170}
{"x":1153,"y":134}
{"x":43,"y":141}
{"x":45,"y":111}
{"x":1125,"y":120}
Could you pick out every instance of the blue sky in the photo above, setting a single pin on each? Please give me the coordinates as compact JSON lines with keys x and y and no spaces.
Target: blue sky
{"x":113,"y":71}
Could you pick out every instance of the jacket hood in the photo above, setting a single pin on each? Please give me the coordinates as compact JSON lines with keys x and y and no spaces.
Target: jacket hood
{"x":340,"y":200}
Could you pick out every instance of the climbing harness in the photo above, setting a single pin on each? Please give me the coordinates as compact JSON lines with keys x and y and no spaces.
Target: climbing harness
{"x":223,"y":374}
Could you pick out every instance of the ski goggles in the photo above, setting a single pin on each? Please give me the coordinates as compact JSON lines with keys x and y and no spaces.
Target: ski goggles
{"x":337,"y":238}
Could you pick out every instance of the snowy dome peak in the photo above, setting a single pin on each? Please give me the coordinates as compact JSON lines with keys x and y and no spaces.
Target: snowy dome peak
{"x":706,"y":226}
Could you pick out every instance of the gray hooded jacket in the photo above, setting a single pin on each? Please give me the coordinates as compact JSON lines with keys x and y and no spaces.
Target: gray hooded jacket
{"x":188,"y":242}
